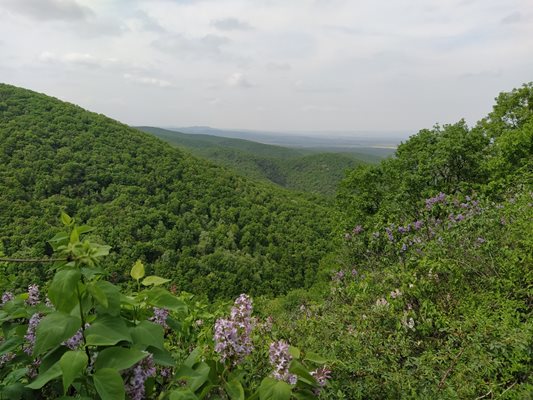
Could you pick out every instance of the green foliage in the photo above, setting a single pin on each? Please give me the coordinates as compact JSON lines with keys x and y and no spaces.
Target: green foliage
{"x":136,"y":350}
{"x":295,"y":169}
{"x":201,"y":226}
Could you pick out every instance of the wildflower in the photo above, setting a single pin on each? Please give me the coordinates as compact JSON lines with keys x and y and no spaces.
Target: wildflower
{"x":375,"y":234}
{"x":347,"y":236}
{"x":33,"y":368}
{"x":321,"y":375}
{"x":389,"y":234}
{"x":30,"y":333}
{"x":165,"y":372}
{"x":395,"y":293}
{"x":357,"y":230}
{"x":459,"y":218}
{"x":199,"y":322}
{"x":480,"y":240}
{"x":232,"y":336}
{"x":408,"y":323}
{"x":280,"y":359}
{"x":354,"y":272}
{"x":137,"y":375}
{"x":5,"y":358}
{"x":33,"y":295}
{"x":339,"y":276}
{"x":7,"y":296}
{"x":382,"y":302}
{"x":402,"y":230}
{"x":404,"y":247}
{"x":160,"y":317}
{"x":75,"y":341}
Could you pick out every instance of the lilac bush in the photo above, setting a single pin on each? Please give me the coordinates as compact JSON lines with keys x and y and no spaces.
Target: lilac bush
{"x":280,"y":359}
{"x":137,"y":375}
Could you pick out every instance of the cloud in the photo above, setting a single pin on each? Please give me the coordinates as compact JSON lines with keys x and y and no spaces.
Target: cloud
{"x":67,"y":10}
{"x":208,"y":46}
{"x":238,"y":79}
{"x":142,"y":21}
{"x":318,"y":108}
{"x":73,"y":59}
{"x":278,"y":66}
{"x":512,"y":18}
{"x":231,"y":24}
{"x":148,"y":80}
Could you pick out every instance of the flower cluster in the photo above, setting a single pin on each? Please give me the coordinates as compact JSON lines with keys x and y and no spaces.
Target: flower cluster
{"x":33,"y":295}
{"x":75,"y":341}
{"x":30,"y":333}
{"x":280,"y":359}
{"x":137,"y":375}
{"x":321,"y":375}
{"x":440,"y":198}
{"x":7,"y":296}
{"x":160,"y":317}
{"x":5,"y":358}
{"x":233,"y":335}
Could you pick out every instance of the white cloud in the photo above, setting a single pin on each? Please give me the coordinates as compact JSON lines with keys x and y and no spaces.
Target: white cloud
{"x":68,"y":10}
{"x":148,"y":80}
{"x":237,"y":79}
{"x":231,"y":24}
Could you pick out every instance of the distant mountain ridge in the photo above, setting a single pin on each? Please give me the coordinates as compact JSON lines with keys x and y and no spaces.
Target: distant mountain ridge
{"x":293,"y":168}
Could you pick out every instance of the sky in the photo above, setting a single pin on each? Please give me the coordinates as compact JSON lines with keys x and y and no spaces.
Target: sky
{"x":280,"y":65}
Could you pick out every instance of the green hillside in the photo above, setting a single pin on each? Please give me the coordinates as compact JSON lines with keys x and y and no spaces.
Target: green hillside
{"x":212,"y":231}
{"x":298,"y":169}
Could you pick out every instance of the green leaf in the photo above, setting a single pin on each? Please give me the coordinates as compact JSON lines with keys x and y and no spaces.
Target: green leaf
{"x":162,"y":357}
{"x":162,"y":298}
{"x":65,"y":219}
{"x":195,"y":377}
{"x":47,"y":376}
{"x":305,"y":395}
{"x":118,"y":358}
{"x":154,"y":280}
{"x":149,"y":334}
{"x":272,"y":389}
{"x":73,"y":364}
{"x":60,"y":239}
{"x":112,"y":294}
{"x":54,"y":329}
{"x":294,"y":352}
{"x":109,"y":384}
{"x":183,"y":394}
{"x":137,"y":271}
{"x":98,"y":294}
{"x":302,"y":372}
{"x":63,"y":289}
{"x":316,"y":358}
{"x":234,"y":390}
{"x":107,"y":330}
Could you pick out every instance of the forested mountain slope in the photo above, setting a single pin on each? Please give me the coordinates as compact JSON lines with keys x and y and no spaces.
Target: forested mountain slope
{"x":211,"y":231}
{"x":298,"y":169}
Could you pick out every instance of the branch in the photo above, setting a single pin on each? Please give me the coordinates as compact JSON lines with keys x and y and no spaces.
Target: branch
{"x":33,"y":260}
{"x":449,"y":370}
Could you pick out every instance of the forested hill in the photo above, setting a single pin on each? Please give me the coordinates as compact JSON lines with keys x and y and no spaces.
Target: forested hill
{"x":304,"y":170}
{"x":210,"y":230}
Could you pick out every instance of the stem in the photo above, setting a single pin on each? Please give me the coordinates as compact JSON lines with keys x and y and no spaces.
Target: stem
{"x":83,"y":324}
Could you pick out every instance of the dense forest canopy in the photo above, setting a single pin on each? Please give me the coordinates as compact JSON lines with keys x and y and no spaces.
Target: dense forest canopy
{"x":211,"y":230}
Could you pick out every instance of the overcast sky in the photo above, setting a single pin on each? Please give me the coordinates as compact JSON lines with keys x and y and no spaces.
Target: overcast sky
{"x":398,"y":65}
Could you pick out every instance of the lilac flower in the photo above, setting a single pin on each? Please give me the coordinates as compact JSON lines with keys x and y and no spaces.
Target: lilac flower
{"x":321,"y":375}
{"x":382,"y":302}
{"x":418,"y":224}
{"x":7,"y":296}
{"x":5,"y":358}
{"x":30,"y":333}
{"x":404,"y":247}
{"x":160,"y":317}
{"x":375,"y":234}
{"x":165,"y":372}
{"x":402,"y":230}
{"x":137,"y":375}
{"x":357,"y":230}
{"x":338,"y":276}
{"x":460,"y":217}
{"x":280,"y":358}
{"x":480,"y":240}
{"x":395,"y":293}
{"x":233,"y":335}
{"x":347,"y":236}
{"x":389,"y":234}
{"x":33,"y":368}
{"x":354,"y":272}
{"x":440,"y":198}
{"x":33,"y":295}
{"x":76,"y":340}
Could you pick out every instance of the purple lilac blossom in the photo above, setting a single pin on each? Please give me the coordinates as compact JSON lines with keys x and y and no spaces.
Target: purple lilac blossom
{"x":389,"y":234}
{"x":30,"y":333}
{"x":233,"y":335}
{"x":321,"y":375}
{"x":33,"y":368}
{"x":358,"y":229}
{"x":160,"y":317}
{"x":5,"y":358}
{"x":280,"y":358}
{"x":7,"y":296}
{"x":418,"y":224}
{"x":137,"y":375}
{"x":33,"y":295}
{"x":76,"y":340}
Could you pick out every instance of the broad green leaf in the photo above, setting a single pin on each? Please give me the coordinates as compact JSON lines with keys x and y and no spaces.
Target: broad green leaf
{"x":302,"y":372}
{"x":107,"y":330}
{"x":195,"y":377}
{"x":63,"y":289}
{"x":54,"y":329}
{"x":162,"y":298}
{"x":98,"y":294}
{"x":162,"y":357}
{"x":149,"y":334}
{"x":154,"y":280}
{"x":234,"y":390}
{"x":183,"y":394}
{"x":118,"y":358}
{"x":74,"y":236}
{"x":304,"y":395}
{"x":60,"y":239}
{"x":137,"y":271}
{"x":109,"y":384}
{"x":73,"y":364}
{"x":112,"y":294}
{"x":294,"y":352}
{"x":44,"y":378}
{"x":316,"y":358}
{"x":272,"y":389}
{"x":65,"y":219}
